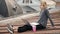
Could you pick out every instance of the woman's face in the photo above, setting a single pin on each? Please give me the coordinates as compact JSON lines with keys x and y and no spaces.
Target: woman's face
{"x":43,"y":5}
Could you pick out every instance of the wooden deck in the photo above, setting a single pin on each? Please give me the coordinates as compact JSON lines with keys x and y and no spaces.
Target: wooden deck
{"x":49,"y":30}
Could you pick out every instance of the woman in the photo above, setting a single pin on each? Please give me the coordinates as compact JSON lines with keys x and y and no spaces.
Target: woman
{"x":44,"y":16}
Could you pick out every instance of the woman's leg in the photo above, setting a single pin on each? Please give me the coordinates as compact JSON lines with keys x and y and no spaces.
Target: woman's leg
{"x":40,"y":27}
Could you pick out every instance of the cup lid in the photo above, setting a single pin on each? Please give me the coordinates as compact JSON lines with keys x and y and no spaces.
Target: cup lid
{"x":34,"y":24}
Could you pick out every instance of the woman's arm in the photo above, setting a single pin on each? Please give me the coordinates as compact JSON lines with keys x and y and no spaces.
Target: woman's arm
{"x":48,"y":15}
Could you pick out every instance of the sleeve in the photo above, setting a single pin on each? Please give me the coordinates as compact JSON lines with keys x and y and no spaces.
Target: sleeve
{"x":40,"y":17}
{"x":48,"y":15}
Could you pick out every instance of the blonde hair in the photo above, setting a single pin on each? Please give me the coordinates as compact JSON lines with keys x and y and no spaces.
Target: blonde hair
{"x":44,"y":5}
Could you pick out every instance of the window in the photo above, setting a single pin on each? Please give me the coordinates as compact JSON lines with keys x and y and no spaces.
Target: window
{"x":23,"y":1}
{"x":27,"y":1}
{"x":30,"y":1}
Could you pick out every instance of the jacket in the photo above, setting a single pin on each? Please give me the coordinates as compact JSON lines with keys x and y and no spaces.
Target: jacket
{"x":44,"y":16}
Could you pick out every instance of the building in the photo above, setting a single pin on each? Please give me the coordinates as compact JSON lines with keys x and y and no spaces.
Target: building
{"x":9,"y":8}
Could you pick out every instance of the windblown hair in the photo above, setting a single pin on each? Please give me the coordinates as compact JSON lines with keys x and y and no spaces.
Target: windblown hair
{"x":44,"y":5}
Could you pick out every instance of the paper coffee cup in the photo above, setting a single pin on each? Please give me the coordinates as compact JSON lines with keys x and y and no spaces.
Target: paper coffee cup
{"x":34,"y":28}
{"x":33,"y":24}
